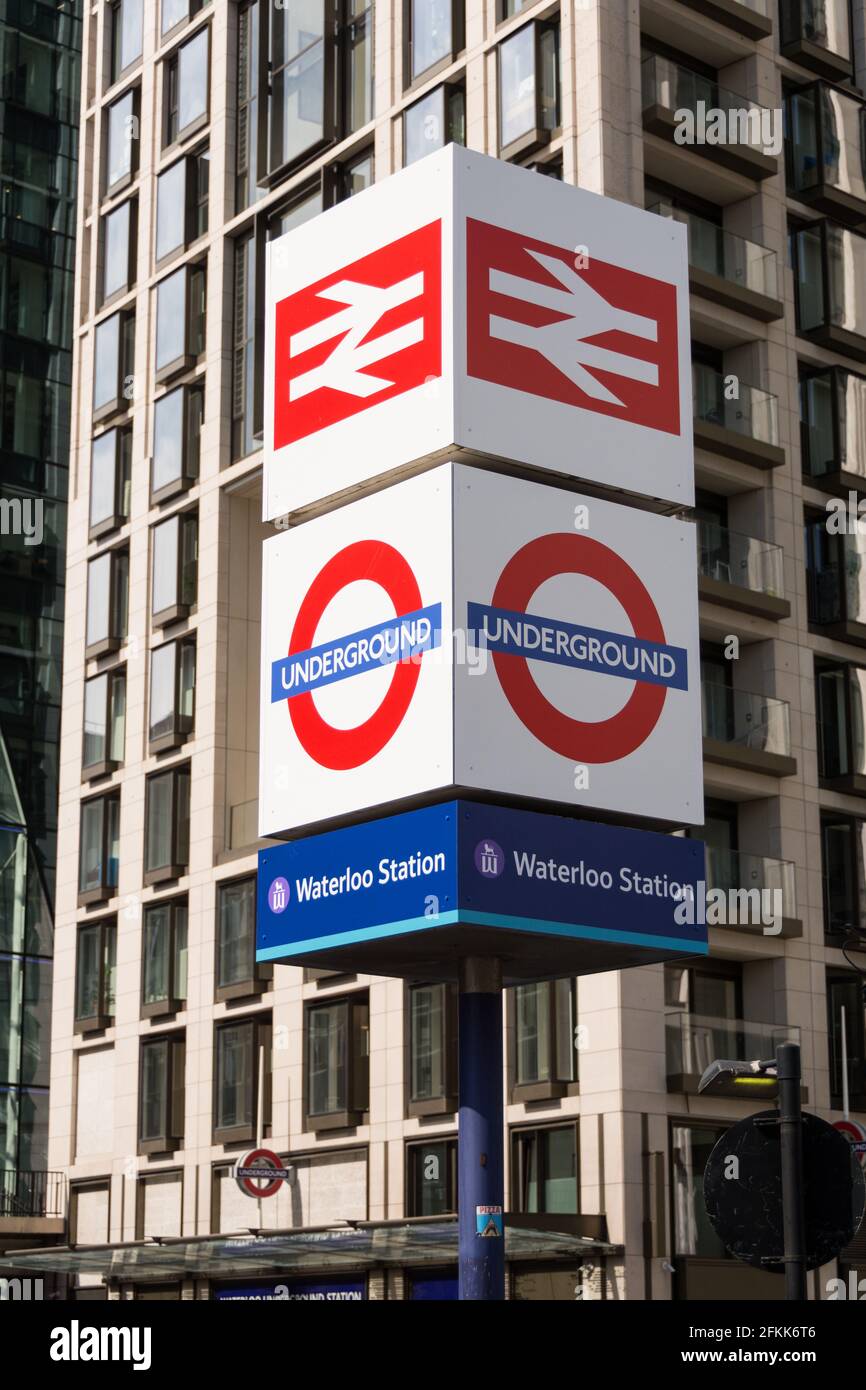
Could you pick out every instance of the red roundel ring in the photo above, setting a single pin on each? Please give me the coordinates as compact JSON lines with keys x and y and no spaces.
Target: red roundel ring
{"x":259,"y":1156}
{"x":342,"y":749}
{"x":607,"y":739}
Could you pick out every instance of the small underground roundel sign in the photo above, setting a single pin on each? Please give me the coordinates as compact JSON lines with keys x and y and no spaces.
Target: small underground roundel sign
{"x":260,"y":1173}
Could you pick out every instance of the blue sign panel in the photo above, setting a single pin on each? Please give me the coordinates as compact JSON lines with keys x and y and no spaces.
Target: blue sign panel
{"x":544,"y":892}
{"x":295,"y":1291}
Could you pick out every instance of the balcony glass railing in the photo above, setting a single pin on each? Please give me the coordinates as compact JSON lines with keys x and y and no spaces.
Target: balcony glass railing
{"x":716,"y":251}
{"x":732,"y":404}
{"x":740,"y":717}
{"x":731,"y":558}
{"x":825,"y":141}
{"x":729,"y":869}
{"x":678,"y":89}
{"x":693,"y":1041}
{"x":824,"y":23}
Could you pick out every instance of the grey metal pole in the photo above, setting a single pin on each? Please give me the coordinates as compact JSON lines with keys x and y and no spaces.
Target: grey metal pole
{"x":791,"y":1143}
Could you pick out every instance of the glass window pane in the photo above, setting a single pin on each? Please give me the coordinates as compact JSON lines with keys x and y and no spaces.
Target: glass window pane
{"x":693,"y":1234}
{"x":186,"y":696}
{"x":173,"y":12}
{"x":110,"y":935}
{"x":171,"y":319}
{"x":326,"y":1051}
{"x":103,"y":478}
{"x":235,"y":1076}
{"x":112,"y":840}
{"x":171,"y":209}
{"x":154,"y":1089}
{"x":121,"y":133}
{"x":162,"y":691}
{"x":533,"y":1032}
{"x":295,"y":216}
{"x":298,"y":63}
{"x":90,"y":863}
{"x":87,"y":972}
{"x":117,"y":717}
{"x":427,"y":1041}
{"x":431,"y":33}
{"x":181,"y":953}
{"x":98,"y":599}
{"x":115,"y":250}
{"x":156,"y":947}
{"x":192,"y":80}
{"x":357,"y":176}
{"x":165,"y":557}
{"x":560,"y":1177}
{"x":168,"y":438}
{"x":189,"y":559}
{"x":237,"y":933}
{"x":517,"y":103}
{"x":431,"y":1163}
{"x":130,"y":31}
{"x":158,"y":832}
{"x":359,"y":58}
{"x":424,"y":126}
{"x":182,"y":794}
{"x":106,"y":362}
{"x":566,"y":1022}
{"x":95,"y":720}
{"x":120,"y":595}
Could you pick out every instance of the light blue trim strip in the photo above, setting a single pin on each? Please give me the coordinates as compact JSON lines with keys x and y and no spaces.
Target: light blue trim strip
{"x":343,"y":938}
{"x":483,"y":919}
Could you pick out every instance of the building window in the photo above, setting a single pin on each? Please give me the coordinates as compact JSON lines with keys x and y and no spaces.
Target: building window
{"x":544,"y":1169}
{"x":119,"y":230}
{"x":835,"y":602}
{"x":125,"y":28}
{"x":846,"y":1019}
{"x":434,"y":31}
{"x":842,"y":848}
{"x":237,"y":973}
{"x":122,"y":134}
{"x":431,"y":1178}
{"x":104,"y":723}
{"x":691,"y":1146}
{"x":352,"y":177}
{"x":172,"y":695}
{"x":182,"y":193}
{"x":177,"y":422}
{"x":243,"y":1049}
{"x":432,"y":1013}
{"x":177,"y":12}
{"x":175,"y":568}
{"x":355,"y":53}
{"x":166,"y":827}
{"x":337,"y":1062}
{"x":247,"y":385}
{"x":832,"y":429}
{"x":110,"y":481}
{"x":528,"y":89}
{"x":840,"y":692}
{"x":824,"y":150}
{"x":161,"y":1094}
{"x":508,"y":9}
{"x":295,"y":213}
{"x":829,"y":264}
{"x":95,"y":963}
{"x":301,"y":63}
{"x":99,"y":848}
{"x":817,"y":33}
{"x":186,"y":84}
{"x":545,"y":1019}
{"x":180,"y":320}
{"x":246,"y":132}
{"x":164,"y":958}
{"x":113,"y":364}
{"x":107,"y":602}
{"x":436,"y":120}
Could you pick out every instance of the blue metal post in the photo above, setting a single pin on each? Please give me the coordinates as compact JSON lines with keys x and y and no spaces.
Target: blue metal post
{"x":480,"y":1168}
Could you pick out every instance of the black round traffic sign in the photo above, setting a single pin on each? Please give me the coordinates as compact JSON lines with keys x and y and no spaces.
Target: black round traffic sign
{"x":743,"y":1191}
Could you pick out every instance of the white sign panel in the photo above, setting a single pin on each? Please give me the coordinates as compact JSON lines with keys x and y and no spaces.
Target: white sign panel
{"x":582,"y":678}
{"x":465,"y":629}
{"x":466,"y":304}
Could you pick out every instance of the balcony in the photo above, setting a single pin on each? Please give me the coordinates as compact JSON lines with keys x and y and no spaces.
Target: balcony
{"x":825,"y":151}
{"x":829,"y":275}
{"x":747,"y":731}
{"x":833,"y":430}
{"x":700,"y":116}
{"x":748,"y":17}
{"x":742,"y":426}
{"x":734,"y":871}
{"x":741,"y":572}
{"x":836,"y":583}
{"x":693,"y":1041}
{"x":32,"y":1203}
{"x":728,"y":269}
{"x":817,"y":34}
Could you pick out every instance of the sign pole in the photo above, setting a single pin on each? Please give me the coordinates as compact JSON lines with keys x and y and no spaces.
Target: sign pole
{"x":480,"y":1162}
{"x":791,"y":1137}
{"x":260,"y":1111}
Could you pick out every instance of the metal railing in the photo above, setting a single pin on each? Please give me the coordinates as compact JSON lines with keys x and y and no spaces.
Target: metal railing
{"x":732,"y":558}
{"x":719,"y":252}
{"x":746,"y":719}
{"x":732,"y":404}
{"x":32,"y":1193}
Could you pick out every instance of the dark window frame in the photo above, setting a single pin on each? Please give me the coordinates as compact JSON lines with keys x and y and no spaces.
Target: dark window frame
{"x":125,"y":365}
{"x":117,"y":623}
{"x":110,"y":190}
{"x":517,"y":1136}
{"x":192,"y":201}
{"x":449,"y":89}
{"x":357,"y":1093}
{"x":413,"y":1149}
{"x":447,"y":1101}
{"x":104,"y":1016}
{"x":144,"y":1180}
{"x":112,"y":27}
{"x":193,"y":393}
{"x":261,"y":1025}
{"x":261,"y":974}
{"x":186,"y":521}
{"x":183,"y":725}
{"x":539,"y":135}
{"x":194,"y":8}
{"x":854,"y":826}
{"x":554,"y":1087}
{"x":187,"y":359}
{"x":457,"y":46}
{"x":174,"y":137}
{"x":131,"y":252}
{"x":104,"y":889}
{"x":855,"y":1030}
{"x":177,"y":865}
{"x":122,"y":478}
{"x":173,"y":1002}
{"x":105,"y":766}
{"x":174,"y":1118}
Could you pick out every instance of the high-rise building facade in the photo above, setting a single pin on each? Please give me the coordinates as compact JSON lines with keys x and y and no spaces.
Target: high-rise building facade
{"x":40,"y":48}
{"x":207,"y":130}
